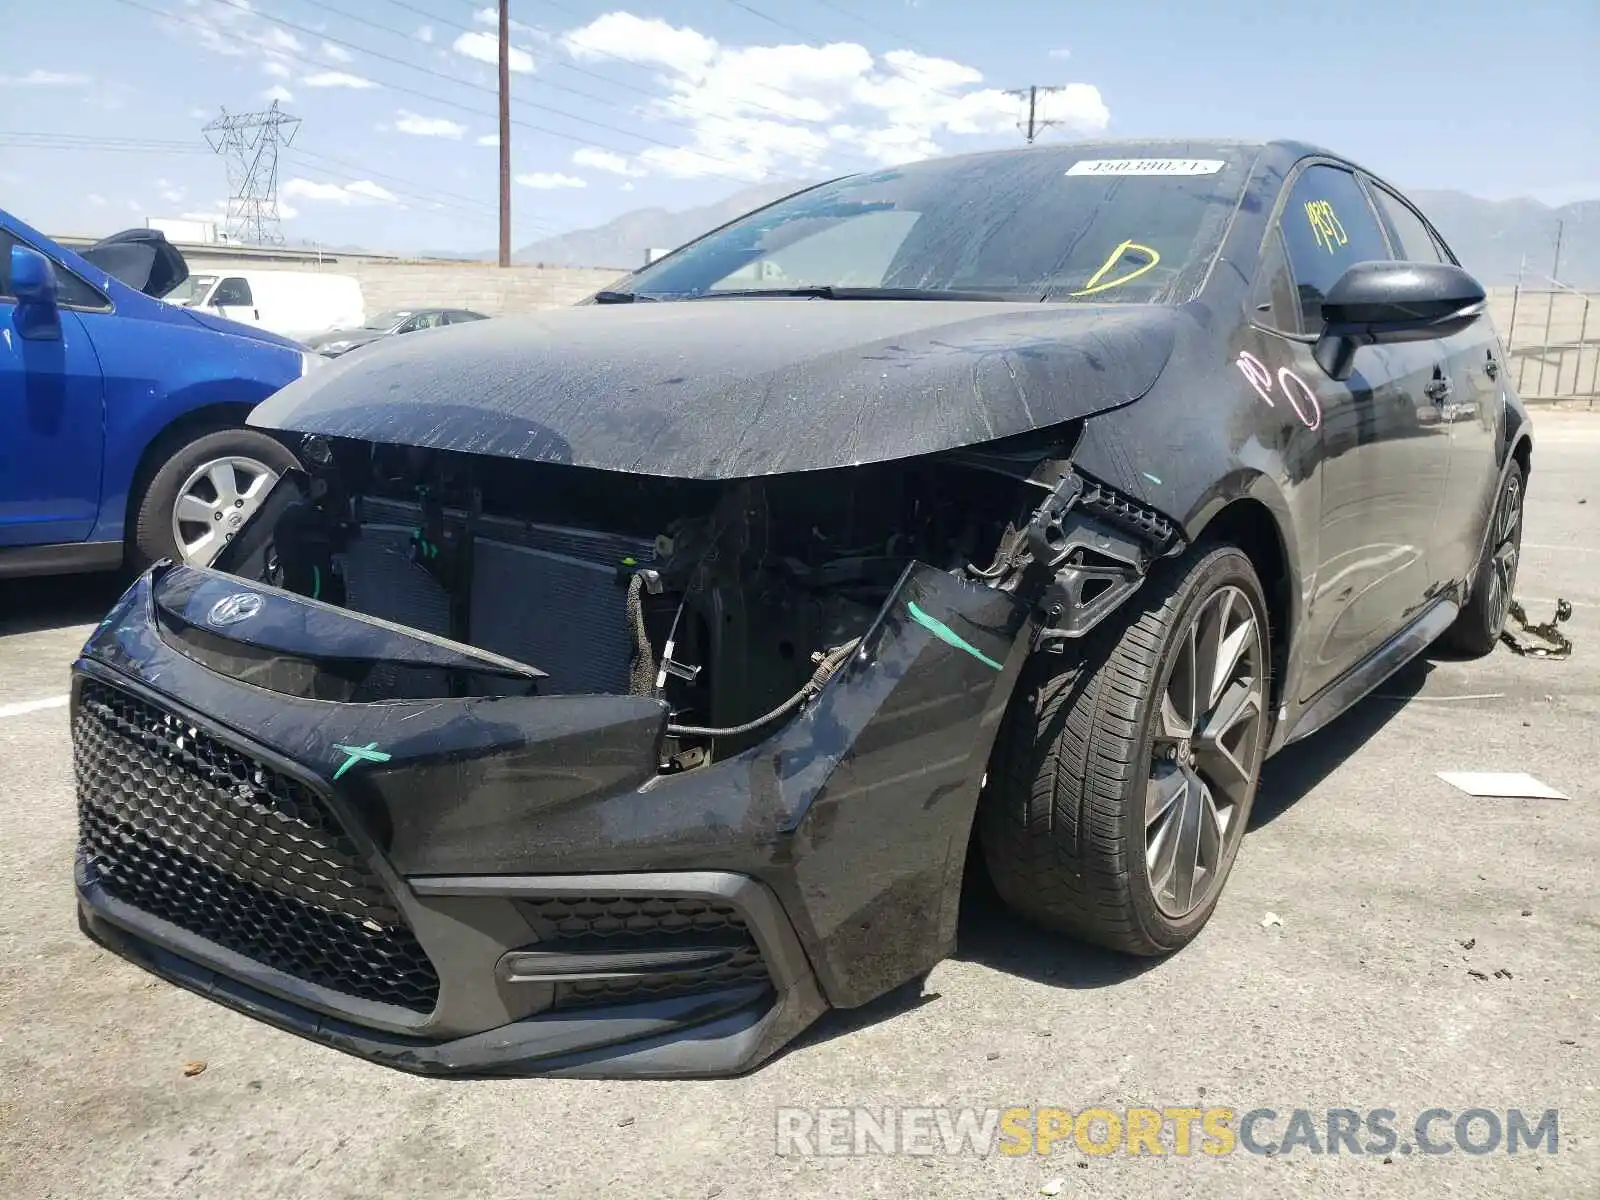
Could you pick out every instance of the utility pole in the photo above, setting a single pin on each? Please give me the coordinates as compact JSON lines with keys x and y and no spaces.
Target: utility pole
{"x":505,"y":133}
{"x":1034,"y":125}
{"x":250,"y":143}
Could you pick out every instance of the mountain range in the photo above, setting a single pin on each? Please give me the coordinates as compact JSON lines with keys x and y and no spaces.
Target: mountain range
{"x":1495,"y":239}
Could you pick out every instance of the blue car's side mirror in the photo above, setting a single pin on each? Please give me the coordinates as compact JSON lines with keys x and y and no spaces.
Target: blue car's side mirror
{"x":33,"y":283}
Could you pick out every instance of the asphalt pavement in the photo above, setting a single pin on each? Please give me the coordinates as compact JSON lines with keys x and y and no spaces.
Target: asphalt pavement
{"x":1430,"y":950}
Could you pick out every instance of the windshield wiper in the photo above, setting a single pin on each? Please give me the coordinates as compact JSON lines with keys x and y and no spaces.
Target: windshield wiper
{"x":610,"y":297}
{"x":828,"y":291}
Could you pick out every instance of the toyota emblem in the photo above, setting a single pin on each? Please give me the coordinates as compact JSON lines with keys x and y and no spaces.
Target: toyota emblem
{"x":230,"y":610}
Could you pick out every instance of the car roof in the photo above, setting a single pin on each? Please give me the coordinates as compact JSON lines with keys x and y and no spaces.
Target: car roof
{"x":1281,"y":152}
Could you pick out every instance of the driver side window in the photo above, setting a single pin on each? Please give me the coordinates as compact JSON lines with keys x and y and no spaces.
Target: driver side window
{"x":1327,"y":227}
{"x":232,"y":292}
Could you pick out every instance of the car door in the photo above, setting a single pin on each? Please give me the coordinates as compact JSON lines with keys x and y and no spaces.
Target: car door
{"x":233,"y":299}
{"x":1468,"y":401}
{"x":51,"y":419}
{"x":1382,"y":468}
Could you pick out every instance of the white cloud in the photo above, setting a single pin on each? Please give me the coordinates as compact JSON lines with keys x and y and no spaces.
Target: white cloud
{"x":1061,"y":52}
{"x":485,"y":47}
{"x":42,"y":78}
{"x":96,"y":200}
{"x":279,"y":93}
{"x":170,"y":192}
{"x":334,"y":53}
{"x":425,"y":35}
{"x":337,"y":79}
{"x":551,"y":179}
{"x":489,"y":139}
{"x":133,"y":206}
{"x":273,"y":37}
{"x":650,"y":42}
{"x":627,"y":187}
{"x":763,"y":109}
{"x":420,"y":126}
{"x":605,"y":160}
{"x":363,"y":191}
{"x":200,"y":114}
{"x":365,"y":187}
{"x":276,"y":68}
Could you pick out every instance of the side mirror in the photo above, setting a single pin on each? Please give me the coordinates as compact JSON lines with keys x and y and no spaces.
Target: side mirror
{"x":33,"y":283}
{"x":1380,"y":303}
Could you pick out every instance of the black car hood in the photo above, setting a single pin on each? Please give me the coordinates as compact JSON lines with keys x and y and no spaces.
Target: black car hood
{"x":141,"y":258}
{"x":727,"y":389}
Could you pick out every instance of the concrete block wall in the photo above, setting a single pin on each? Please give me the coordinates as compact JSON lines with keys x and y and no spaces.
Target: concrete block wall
{"x":485,"y":288}
{"x":397,"y":283}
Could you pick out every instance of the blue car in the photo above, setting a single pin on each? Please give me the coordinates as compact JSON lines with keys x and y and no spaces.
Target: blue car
{"x":121,"y":438}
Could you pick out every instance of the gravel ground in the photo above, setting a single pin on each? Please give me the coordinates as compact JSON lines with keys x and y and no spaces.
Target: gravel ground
{"x":1364,"y":997}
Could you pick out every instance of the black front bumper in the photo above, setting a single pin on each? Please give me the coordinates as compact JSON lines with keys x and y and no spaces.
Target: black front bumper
{"x":503,"y":884}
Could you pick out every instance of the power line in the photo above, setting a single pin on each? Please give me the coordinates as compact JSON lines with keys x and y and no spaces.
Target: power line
{"x":241,"y":6}
{"x":65,"y":141}
{"x":605,"y":79}
{"x":409,"y":91}
{"x":871,"y":24}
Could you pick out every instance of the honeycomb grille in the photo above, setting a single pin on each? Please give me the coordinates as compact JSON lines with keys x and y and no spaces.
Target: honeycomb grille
{"x":190,"y":830}
{"x":634,"y":923}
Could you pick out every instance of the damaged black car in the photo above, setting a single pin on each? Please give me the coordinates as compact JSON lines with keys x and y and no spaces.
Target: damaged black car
{"x":616,"y":689}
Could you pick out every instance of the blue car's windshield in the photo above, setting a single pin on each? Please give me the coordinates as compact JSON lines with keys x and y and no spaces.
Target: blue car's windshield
{"x":1051,"y":223}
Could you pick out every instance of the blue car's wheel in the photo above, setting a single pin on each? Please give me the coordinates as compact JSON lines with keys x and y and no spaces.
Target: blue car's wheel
{"x":202,"y":496}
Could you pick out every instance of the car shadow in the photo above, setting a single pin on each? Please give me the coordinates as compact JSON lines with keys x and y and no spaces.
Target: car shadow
{"x":1295,"y":770}
{"x":57,"y":601}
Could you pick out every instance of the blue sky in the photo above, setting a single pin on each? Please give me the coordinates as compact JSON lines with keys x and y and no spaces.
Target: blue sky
{"x":671,"y":103}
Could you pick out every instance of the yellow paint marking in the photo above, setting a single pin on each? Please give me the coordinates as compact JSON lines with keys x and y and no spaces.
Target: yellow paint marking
{"x":1094,"y":284}
{"x":1325,"y":225}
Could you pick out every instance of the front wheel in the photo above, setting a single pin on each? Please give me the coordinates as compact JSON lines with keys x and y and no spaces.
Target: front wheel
{"x":1478,"y":626}
{"x":200,"y":498}
{"x":1125,"y":770}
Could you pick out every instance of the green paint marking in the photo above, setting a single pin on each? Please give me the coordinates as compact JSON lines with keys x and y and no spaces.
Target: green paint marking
{"x":949,"y":636}
{"x":355,"y":754}
{"x":316,"y":582}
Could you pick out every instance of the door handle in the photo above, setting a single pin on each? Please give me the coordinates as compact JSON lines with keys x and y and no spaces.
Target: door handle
{"x":1491,"y":368}
{"x":1438,"y":390}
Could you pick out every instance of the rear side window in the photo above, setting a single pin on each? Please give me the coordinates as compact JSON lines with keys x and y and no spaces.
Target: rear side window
{"x":233,"y":291}
{"x":1328,"y":227}
{"x":1413,"y":241}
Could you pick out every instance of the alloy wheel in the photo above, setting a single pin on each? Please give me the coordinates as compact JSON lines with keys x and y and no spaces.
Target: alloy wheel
{"x":1507,"y":549}
{"x":1203,"y":752}
{"x":214,"y":504}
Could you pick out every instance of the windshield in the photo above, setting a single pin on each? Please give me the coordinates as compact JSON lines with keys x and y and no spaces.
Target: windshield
{"x":1052,"y":223}
{"x":191,"y":291}
{"x":387,"y":320}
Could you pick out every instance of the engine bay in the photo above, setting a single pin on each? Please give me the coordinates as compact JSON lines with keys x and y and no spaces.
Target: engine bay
{"x":732,"y":601}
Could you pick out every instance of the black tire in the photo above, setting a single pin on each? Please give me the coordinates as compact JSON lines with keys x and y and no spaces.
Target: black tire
{"x":152,"y":537}
{"x":1062,"y":820}
{"x":1478,"y":626}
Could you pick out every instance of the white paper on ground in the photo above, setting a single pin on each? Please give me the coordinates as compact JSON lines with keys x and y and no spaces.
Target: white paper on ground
{"x":1517,"y":785}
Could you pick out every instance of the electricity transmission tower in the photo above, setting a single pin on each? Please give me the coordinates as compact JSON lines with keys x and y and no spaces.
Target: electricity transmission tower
{"x":1034,"y":123}
{"x":250,"y":143}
